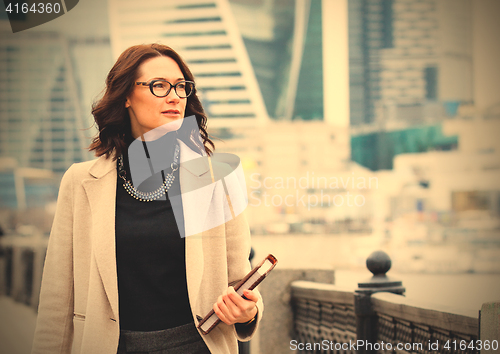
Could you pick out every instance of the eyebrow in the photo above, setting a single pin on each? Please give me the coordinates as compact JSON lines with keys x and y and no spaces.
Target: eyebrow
{"x":162,"y":78}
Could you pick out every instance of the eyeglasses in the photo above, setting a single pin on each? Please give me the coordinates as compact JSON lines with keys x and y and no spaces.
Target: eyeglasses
{"x":161,"y":88}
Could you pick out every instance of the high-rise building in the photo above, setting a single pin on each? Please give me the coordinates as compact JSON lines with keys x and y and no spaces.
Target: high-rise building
{"x":408,"y":59}
{"x":410,"y":69}
{"x":284,"y":42}
{"x":49,"y":77}
{"x":206,"y":35}
{"x":40,"y":118}
{"x":91,"y":59}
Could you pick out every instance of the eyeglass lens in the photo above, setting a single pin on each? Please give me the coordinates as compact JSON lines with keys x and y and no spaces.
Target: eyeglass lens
{"x":162,"y":88}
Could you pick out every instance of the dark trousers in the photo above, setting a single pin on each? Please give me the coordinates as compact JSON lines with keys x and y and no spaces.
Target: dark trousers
{"x":179,"y":340}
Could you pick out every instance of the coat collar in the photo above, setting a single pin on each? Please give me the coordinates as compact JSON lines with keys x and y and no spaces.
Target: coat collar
{"x":102,"y":166}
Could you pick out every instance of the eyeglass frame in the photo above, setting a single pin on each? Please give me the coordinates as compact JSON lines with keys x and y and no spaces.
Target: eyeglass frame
{"x":152,"y":82}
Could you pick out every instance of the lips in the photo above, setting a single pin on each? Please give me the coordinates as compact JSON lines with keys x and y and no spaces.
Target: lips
{"x":171,"y":111}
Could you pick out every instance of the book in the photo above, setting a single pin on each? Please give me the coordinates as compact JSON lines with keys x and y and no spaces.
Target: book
{"x":249,"y":282}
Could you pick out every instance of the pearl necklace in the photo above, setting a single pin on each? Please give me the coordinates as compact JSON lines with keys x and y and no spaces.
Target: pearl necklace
{"x":157,"y":193}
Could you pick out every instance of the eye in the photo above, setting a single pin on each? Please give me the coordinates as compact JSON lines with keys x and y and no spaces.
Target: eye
{"x":159,"y":84}
{"x":181,"y":85}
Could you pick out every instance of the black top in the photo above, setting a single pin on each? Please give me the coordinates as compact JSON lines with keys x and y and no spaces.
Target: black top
{"x":150,"y":260}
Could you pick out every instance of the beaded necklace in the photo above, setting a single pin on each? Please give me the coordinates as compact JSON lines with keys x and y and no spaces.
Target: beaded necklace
{"x":157,"y":193}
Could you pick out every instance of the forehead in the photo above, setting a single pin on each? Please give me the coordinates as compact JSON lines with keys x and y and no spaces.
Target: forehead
{"x":164,"y":67}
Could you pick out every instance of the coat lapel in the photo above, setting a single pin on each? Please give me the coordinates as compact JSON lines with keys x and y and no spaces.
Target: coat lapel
{"x":101,"y":193}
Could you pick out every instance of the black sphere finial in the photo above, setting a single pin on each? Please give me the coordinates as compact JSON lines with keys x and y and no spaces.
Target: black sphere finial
{"x":378,"y":263}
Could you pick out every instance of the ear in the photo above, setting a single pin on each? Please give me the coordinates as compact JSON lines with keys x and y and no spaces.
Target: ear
{"x":127,"y":103}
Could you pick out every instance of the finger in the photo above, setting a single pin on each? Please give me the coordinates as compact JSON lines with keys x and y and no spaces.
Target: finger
{"x":219,"y":312}
{"x":250,"y":295}
{"x":233,"y":307}
{"x":227,"y":307}
{"x":240,"y":300}
{"x":220,"y":315}
{"x":236,"y":298}
{"x":222,"y":305}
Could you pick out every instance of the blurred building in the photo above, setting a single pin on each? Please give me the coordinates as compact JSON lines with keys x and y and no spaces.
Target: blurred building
{"x":91,"y":60}
{"x":293,"y":173}
{"x":48,"y":80}
{"x":411,"y":68}
{"x":284,"y":42}
{"x":447,"y":199}
{"x":40,"y":118}
{"x":49,"y":77}
{"x":24,"y":187}
{"x":207,"y":36}
{"x":408,"y":60}
{"x":302,"y":145}
{"x":25,"y":194}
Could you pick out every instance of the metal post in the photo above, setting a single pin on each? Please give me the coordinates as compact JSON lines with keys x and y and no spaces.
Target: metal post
{"x":378,"y":263}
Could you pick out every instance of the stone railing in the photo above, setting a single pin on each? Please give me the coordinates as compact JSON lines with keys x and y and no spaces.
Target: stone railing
{"x":376,"y":318}
{"x":422,"y":328}
{"x":21,"y":266}
{"x":323,"y":313}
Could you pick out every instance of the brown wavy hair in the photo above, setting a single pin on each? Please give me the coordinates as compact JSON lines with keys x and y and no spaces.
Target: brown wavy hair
{"x":112,"y":118}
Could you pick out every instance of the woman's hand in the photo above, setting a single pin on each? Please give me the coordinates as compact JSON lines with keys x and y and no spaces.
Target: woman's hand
{"x":232,"y":308}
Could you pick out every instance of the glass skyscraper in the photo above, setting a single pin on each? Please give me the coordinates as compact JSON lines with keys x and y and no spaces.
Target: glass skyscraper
{"x":410,"y":62}
{"x":48,"y":81}
{"x":206,"y":35}
{"x":40,"y":119}
{"x":284,"y":43}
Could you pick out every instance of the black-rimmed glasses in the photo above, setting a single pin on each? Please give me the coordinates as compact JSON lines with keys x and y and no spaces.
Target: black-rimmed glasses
{"x":161,"y":88}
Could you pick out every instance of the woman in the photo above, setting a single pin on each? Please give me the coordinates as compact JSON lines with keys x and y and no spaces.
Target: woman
{"x":119,"y":275}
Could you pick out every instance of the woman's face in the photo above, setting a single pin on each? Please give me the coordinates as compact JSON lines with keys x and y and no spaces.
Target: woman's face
{"x":147,"y":111}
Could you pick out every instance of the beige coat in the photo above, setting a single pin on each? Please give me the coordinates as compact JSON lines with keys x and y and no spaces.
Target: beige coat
{"x":78,"y":310}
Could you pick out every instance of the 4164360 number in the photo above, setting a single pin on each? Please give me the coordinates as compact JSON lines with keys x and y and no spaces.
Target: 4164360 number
{"x":39,"y":8}
{"x":473,"y":345}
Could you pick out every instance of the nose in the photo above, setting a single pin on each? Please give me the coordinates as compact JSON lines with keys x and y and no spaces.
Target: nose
{"x":172,"y":96}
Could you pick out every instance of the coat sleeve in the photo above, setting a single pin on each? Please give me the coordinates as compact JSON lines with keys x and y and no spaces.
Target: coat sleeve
{"x":238,"y":243}
{"x":54,"y":327}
